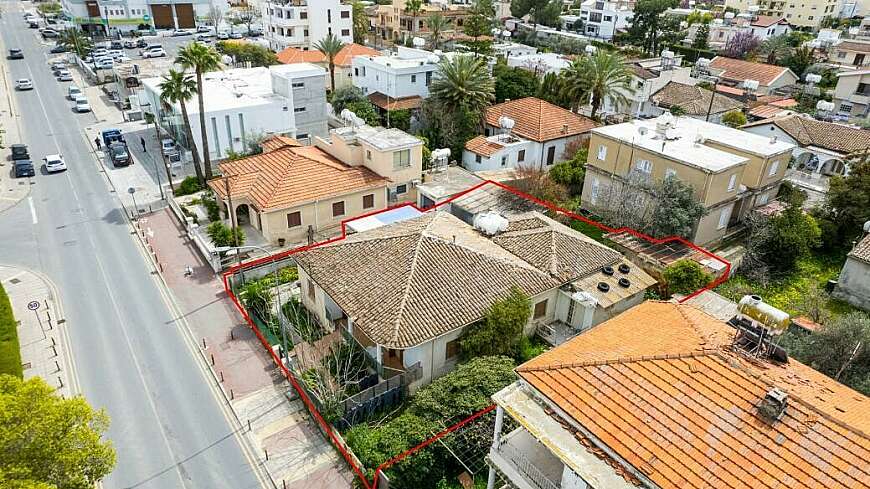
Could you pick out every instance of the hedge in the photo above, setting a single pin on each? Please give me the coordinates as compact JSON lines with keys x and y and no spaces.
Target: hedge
{"x":10,"y":352}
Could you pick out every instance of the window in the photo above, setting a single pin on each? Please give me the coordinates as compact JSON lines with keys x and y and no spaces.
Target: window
{"x":298,"y":109}
{"x":345,"y":32}
{"x":428,"y":78}
{"x":338,"y":209}
{"x":477,"y":158}
{"x":345,"y":14}
{"x":413,"y":78}
{"x":608,"y":18}
{"x":551,"y":155}
{"x":304,"y":15}
{"x":401,"y":159}
{"x":302,"y":135}
{"x":593,"y":190}
{"x":841,"y":54}
{"x":401,"y":189}
{"x":298,"y":85}
{"x":644,"y":166}
{"x":311,"y":289}
{"x":368,"y":201}
{"x":294,"y":219}
{"x":504,"y":161}
{"x":845,"y":108}
{"x":521,"y":156}
{"x":452,"y":349}
{"x":863,"y":89}
{"x":540,"y":309}
{"x":368,"y":154}
{"x":595,"y":17}
{"x":762,"y":199}
{"x":305,"y":33}
{"x":724,"y":215}
{"x":773,"y":168}
{"x":328,"y":16}
{"x":602,"y":152}
{"x":732,"y":182}
{"x":670,"y":173}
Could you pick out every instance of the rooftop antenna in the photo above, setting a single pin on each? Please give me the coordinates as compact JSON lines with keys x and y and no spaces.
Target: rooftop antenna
{"x":506,"y":124}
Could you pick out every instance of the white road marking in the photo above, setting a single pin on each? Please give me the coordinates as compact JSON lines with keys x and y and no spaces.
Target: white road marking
{"x":32,"y":210}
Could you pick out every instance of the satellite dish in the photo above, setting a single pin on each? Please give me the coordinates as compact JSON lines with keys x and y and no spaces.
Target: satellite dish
{"x":506,"y":122}
{"x":824,"y":106}
{"x":750,"y":85}
{"x":867,"y":227}
{"x":667,"y":54}
{"x":729,"y":15}
{"x":418,"y":42}
{"x":703,"y":62}
{"x":226,"y":59}
{"x":813,"y":78}
{"x":506,"y":33}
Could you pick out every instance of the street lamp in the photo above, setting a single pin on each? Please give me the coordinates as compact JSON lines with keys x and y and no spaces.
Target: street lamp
{"x":222,"y":249}
{"x":132,"y":192}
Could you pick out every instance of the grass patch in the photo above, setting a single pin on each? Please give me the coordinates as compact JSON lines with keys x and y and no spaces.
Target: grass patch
{"x":10,"y":352}
{"x":590,"y":230}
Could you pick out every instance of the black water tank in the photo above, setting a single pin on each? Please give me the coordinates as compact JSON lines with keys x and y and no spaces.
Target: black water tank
{"x":607,"y":270}
{"x":623,"y":282}
{"x":603,"y":287}
{"x":624,"y":268}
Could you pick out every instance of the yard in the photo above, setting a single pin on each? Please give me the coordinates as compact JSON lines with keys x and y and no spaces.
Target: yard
{"x":10,"y":353}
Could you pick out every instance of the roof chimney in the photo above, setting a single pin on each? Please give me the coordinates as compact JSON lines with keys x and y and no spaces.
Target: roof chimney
{"x":773,"y":406}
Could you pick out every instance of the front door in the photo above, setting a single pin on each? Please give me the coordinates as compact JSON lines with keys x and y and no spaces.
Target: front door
{"x":859,"y":59}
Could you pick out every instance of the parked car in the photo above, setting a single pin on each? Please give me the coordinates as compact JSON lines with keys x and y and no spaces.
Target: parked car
{"x":110,"y":136}
{"x":181,"y":32}
{"x":82,"y":105}
{"x":24,"y":168}
{"x":223,"y":36}
{"x":116,"y":45}
{"x":33,"y":24}
{"x":64,"y":76}
{"x":73,"y":92}
{"x":58,"y":66}
{"x":60,"y":48}
{"x":236,"y":35}
{"x":47,"y":33}
{"x":154,"y":53}
{"x":16,"y":54}
{"x":203,"y":37}
{"x":24,"y":84}
{"x":141,"y":43}
{"x":203,"y":28}
{"x":120,"y":155}
{"x":19,"y":152}
{"x":54,"y":163}
{"x":167,"y":146}
{"x":129,"y":44}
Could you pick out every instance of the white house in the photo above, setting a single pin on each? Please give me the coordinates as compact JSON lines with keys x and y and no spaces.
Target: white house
{"x":540,"y":63}
{"x":405,"y":76}
{"x":528,"y":132}
{"x":507,"y":49}
{"x":762,"y":26}
{"x":650,"y":76}
{"x":244,"y":103}
{"x":122,"y":16}
{"x":603,"y":19}
{"x":303,"y":23}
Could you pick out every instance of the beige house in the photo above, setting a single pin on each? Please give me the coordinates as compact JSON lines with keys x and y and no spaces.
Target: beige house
{"x":731,"y":171}
{"x":296,"y":194}
{"x":852,"y":95}
{"x":736,"y":72}
{"x":407,"y":291}
{"x":806,"y":13}
{"x":342,"y":61}
{"x":851,"y":52}
{"x":393,"y":23}
{"x":853,"y":284}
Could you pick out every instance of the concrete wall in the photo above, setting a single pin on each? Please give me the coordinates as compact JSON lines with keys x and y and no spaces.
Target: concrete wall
{"x":530,"y":158}
{"x":372,"y":77}
{"x":285,"y":27}
{"x":854,"y":283}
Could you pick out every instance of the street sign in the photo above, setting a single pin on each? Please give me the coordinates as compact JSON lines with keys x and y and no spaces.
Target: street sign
{"x":146,"y":17}
{"x":33,"y":305}
{"x":131,"y":190}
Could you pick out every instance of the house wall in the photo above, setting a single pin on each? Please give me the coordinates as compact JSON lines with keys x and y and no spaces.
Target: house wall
{"x":785,"y":80}
{"x":854,"y":283}
{"x":371,"y":76}
{"x":847,"y":93}
{"x":494,"y":162}
{"x":285,"y":27}
{"x":541,"y":148}
{"x":381,"y":162}
{"x":757,"y":174}
{"x":848,"y":57}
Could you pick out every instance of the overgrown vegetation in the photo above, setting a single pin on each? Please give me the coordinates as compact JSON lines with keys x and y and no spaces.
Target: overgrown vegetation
{"x":246,"y":52}
{"x":10,"y":350}
{"x":501,"y":328}
{"x":222,"y":235}
{"x":734,"y":118}
{"x":685,"y":276}
{"x":190,"y":185}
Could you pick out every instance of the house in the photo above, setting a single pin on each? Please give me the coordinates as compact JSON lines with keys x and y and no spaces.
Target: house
{"x":649,"y":76}
{"x":393,"y":23}
{"x":766,"y":26}
{"x":736,"y":72}
{"x":852,"y":94}
{"x":537,"y":137}
{"x":539,"y":63}
{"x":693,"y":101}
{"x":128,"y":15}
{"x":407,"y":291}
{"x":770,"y":106}
{"x":505,"y":49}
{"x":302,"y":24}
{"x":291,"y":193}
{"x":851,"y":52}
{"x":730,"y":170}
{"x":666,"y":396}
{"x":853,"y":285}
{"x":807,"y":15}
{"x":402,"y":78}
{"x":603,"y":19}
{"x":342,"y":61}
{"x":246,"y":103}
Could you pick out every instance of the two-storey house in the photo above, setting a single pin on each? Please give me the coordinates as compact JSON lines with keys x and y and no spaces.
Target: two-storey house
{"x":852,"y":94}
{"x":400,"y":80}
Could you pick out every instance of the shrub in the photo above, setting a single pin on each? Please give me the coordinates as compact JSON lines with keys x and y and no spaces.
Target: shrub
{"x":190,"y":185}
{"x":791,"y":235}
{"x":221,"y":235}
{"x":500,"y":329}
{"x":572,"y":171}
{"x":735,"y":118}
{"x":211,"y":207}
{"x":685,"y":276}
{"x":529,"y":348}
{"x":288,"y":274}
{"x":10,"y":353}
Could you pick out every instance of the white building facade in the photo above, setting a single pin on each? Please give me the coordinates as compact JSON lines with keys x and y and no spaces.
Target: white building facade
{"x":603,"y":19}
{"x":303,"y":23}
{"x":121,"y":16}
{"x":408,"y":73}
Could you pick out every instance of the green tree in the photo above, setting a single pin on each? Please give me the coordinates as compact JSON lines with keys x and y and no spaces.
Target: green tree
{"x":572,"y":171}
{"x":799,"y":60}
{"x":676,"y":209}
{"x":437,"y":24}
{"x":463,"y":81}
{"x":49,"y":441}
{"x":49,"y":9}
{"x":791,"y":235}
{"x":366,"y":111}
{"x":413,"y":8}
{"x":734,"y":118}
{"x":512,"y":83}
{"x":222,"y":235}
{"x":685,"y":276}
{"x":541,"y":11}
{"x":330,"y":46}
{"x":646,"y":23}
{"x":604,"y":75}
{"x":848,"y":200}
{"x":499,"y":331}
{"x":400,"y":119}
{"x":479,"y":26}
{"x":246,"y":52}
{"x":698,"y":17}
{"x":775,"y":49}
{"x":201,"y":59}
{"x":345,"y":95}
{"x":702,"y":36}
{"x":360,"y":22}
{"x":76,"y":40}
{"x":552,"y":89}
{"x":178,"y":87}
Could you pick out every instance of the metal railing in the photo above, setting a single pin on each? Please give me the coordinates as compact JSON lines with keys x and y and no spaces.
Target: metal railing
{"x":524,"y":466}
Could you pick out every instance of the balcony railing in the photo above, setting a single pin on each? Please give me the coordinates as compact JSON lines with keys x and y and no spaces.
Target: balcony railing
{"x":524,"y":466}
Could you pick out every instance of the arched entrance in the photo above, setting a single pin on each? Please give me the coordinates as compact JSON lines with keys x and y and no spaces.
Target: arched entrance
{"x":833,"y":167}
{"x":243,"y":214}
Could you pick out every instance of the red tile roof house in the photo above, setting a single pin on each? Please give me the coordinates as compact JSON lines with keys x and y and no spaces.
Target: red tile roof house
{"x":406,"y":291}
{"x":734,"y":72}
{"x":343,"y":72}
{"x":665,"y":396}
{"x":537,"y":138}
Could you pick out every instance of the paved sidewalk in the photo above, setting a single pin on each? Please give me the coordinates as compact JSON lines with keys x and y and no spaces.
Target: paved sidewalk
{"x":41,"y":332}
{"x":299,"y":455}
{"x":12,"y":190}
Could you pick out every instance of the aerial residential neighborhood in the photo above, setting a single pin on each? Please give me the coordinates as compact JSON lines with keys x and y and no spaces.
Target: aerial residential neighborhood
{"x":446,"y":244}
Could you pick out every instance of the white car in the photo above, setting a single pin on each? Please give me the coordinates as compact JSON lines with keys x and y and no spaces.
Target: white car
{"x":223,"y":35}
{"x":167,"y":146}
{"x":24,"y":84}
{"x":54,"y":163}
{"x":82,"y":105}
{"x":64,"y":76}
{"x":154,"y":53}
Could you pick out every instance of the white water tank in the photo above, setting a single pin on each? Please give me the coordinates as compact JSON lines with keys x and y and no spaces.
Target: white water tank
{"x":490,"y":223}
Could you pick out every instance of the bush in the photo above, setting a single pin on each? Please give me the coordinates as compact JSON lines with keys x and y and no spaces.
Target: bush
{"x":792,"y":234}
{"x":244,"y":51}
{"x":685,"y":276}
{"x":572,"y":171}
{"x":735,"y":118}
{"x":211,"y":207}
{"x":190,"y":185}
{"x":288,"y":274}
{"x":465,"y":390}
{"x":529,"y":348}
{"x":221,"y":235}
{"x":500,"y":329}
{"x":10,"y":352}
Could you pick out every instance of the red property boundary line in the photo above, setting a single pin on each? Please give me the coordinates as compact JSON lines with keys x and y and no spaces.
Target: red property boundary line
{"x":326,"y":427}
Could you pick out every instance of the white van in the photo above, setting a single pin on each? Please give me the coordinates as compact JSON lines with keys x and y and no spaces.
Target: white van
{"x":73,"y":92}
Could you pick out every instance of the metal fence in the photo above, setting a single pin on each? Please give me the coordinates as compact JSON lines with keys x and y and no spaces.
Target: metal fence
{"x":379,"y":397}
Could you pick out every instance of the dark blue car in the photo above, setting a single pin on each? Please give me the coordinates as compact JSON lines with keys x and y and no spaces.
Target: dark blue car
{"x":24,"y":168}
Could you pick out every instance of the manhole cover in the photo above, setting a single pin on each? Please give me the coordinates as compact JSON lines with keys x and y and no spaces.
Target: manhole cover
{"x":25,"y":366}
{"x":14,"y":281}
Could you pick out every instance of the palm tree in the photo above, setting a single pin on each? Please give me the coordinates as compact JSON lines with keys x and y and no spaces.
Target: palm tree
{"x":179,"y":87}
{"x":75,"y":39}
{"x":330,"y":46}
{"x":464,"y":81}
{"x":360,"y":22}
{"x":201,"y":59}
{"x":775,"y":48}
{"x":413,"y":7}
{"x":437,"y":25}
{"x":596,"y":78}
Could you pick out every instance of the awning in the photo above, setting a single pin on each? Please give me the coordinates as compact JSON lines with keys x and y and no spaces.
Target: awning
{"x":382,"y":219}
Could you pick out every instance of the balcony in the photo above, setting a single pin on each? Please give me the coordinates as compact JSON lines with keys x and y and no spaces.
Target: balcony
{"x":526,"y":462}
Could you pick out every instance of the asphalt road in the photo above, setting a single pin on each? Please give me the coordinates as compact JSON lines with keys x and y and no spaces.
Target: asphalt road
{"x":131,"y":355}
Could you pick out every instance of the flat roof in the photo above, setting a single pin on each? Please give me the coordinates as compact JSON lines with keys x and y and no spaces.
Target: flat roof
{"x":386,"y":139}
{"x":383,"y":218}
{"x":442,"y":184}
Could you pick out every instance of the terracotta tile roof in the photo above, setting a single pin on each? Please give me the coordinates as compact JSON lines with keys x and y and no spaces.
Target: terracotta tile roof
{"x":827,"y":135}
{"x":660,"y":386}
{"x":693,"y":99}
{"x":768,"y":110}
{"x":409,"y":282}
{"x":767,"y":20}
{"x":483,"y":146}
{"x":729,"y":90}
{"x":277,"y":142}
{"x":861,"y":251}
{"x":739,"y":70}
{"x":345,"y":56}
{"x":292,"y":55}
{"x":539,"y":120}
{"x":852,"y":45}
{"x":291,"y":175}
{"x":388,"y":103}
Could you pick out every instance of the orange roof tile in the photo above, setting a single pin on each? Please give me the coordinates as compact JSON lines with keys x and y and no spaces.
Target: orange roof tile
{"x":660,"y":386}
{"x":345,"y":56}
{"x":278,"y":142}
{"x":739,"y":70}
{"x":482,"y":146}
{"x":539,"y":120}
{"x":291,"y":175}
{"x":292,"y":55}
{"x":388,"y":103}
{"x":767,"y":20}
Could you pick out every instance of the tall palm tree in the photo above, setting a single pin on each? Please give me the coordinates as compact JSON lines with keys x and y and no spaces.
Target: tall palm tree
{"x":75,"y":39}
{"x":464,"y":81}
{"x":413,"y":7}
{"x":596,"y":78}
{"x":437,"y":25}
{"x":201,"y":59}
{"x":330,"y":46}
{"x":179,"y":87}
